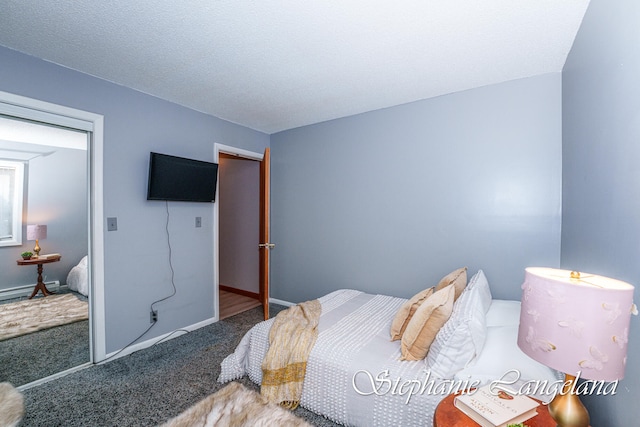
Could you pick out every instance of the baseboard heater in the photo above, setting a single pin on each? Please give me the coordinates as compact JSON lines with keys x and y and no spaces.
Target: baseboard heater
{"x":25,"y":290}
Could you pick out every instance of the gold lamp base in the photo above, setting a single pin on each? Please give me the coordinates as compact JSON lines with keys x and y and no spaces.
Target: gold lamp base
{"x":567,"y":409}
{"x":36,"y":250}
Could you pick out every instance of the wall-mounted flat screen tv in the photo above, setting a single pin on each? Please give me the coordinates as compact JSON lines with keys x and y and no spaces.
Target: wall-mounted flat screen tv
{"x":179,"y":179}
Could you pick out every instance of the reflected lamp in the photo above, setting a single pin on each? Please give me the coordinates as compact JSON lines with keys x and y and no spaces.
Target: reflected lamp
{"x":36,"y":232}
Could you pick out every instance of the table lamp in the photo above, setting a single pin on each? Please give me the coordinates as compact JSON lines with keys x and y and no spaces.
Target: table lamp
{"x":36,"y":232}
{"x":578,"y":324}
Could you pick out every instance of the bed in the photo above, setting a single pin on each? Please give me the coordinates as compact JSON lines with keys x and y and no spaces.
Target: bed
{"x":355,"y":375}
{"x":78,"y":277}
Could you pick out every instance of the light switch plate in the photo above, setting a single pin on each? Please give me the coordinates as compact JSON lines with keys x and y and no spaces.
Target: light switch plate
{"x":112,"y":224}
{"x":198,"y":222}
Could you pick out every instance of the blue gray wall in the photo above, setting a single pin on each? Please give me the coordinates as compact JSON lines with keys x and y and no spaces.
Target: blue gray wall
{"x":601,"y":173}
{"x":136,"y":256}
{"x":390,"y":201}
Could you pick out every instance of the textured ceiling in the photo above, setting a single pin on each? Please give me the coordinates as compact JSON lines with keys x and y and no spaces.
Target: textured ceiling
{"x":275,"y":64}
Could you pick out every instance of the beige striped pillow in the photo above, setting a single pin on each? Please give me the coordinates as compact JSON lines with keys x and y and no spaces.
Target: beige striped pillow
{"x":404,"y":315}
{"x":425,"y":324}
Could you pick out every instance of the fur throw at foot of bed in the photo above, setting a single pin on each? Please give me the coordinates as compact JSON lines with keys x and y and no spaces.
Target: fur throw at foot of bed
{"x":11,"y":405}
{"x":235,"y":405}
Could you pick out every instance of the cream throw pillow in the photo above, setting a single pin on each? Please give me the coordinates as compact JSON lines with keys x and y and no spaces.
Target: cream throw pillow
{"x":425,"y":324}
{"x":406,"y":312}
{"x":457,"y":278}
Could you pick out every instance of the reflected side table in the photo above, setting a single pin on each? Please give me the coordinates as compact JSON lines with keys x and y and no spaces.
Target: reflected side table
{"x":40,"y":286}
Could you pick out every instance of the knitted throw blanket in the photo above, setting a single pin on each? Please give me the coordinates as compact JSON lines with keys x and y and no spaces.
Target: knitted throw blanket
{"x":291,"y":338}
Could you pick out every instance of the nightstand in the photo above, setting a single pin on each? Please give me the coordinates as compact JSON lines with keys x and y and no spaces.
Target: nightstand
{"x":40,"y":286}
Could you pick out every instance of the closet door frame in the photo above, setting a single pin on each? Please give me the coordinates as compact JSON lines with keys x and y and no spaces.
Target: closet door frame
{"x":48,"y":113}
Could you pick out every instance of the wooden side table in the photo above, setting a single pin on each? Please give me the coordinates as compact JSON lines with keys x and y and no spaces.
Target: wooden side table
{"x":40,"y":286}
{"x":447,"y":415}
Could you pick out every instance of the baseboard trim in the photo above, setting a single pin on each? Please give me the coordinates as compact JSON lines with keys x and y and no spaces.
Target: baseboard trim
{"x":25,"y":290}
{"x":242,"y":292}
{"x":54,"y":376}
{"x":153,"y":341}
{"x":281,"y":302}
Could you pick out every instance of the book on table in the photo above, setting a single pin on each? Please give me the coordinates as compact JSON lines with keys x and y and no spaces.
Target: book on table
{"x":492,"y":407}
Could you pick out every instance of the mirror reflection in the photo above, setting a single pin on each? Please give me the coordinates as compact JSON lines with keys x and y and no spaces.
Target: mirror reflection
{"x":44,"y":283}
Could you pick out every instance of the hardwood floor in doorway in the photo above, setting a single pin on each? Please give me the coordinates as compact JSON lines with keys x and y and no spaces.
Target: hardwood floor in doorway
{"x":232,"y":303}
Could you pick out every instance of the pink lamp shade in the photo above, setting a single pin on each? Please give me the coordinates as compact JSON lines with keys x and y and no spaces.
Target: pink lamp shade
{"x":36,"y":232}
{"x":576,"y":324}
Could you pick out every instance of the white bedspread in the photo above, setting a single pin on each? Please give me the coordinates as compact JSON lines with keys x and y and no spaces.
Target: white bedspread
{"x":353,"y":355}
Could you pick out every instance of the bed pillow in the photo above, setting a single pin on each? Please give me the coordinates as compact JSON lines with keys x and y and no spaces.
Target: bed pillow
{"x":457,"y":278}
{"x":425,"y":324}
{"x":406,"y":312}
{"x":503,"y":313}
{"x":462,"y":338}
{"x":502,"y":354}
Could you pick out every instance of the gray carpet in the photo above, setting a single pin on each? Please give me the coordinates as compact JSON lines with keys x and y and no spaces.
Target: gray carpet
{"x":39,"y":354}
{"x":148,"y":387}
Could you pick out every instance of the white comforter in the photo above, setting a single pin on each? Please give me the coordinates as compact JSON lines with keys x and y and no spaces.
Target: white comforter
{"x":354,"y":373}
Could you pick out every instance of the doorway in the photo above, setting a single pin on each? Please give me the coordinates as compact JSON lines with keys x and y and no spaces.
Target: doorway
{"x":238,"y":233}
{"x":239,"y":225}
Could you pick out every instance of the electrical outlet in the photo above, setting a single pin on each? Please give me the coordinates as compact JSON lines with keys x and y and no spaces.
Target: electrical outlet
{"x":198,"y":222}
{"x":153,"y":316}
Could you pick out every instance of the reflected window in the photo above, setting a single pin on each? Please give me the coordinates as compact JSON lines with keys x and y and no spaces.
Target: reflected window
{"x":11,"y":200}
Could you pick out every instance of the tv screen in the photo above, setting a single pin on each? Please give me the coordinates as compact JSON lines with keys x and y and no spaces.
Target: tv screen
{"x":179,"y":179}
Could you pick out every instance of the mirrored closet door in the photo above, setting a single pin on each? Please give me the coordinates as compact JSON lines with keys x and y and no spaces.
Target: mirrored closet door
{"x":44,"y":309}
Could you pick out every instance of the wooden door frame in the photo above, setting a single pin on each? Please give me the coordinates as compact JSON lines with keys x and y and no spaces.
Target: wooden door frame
{"x":265,"y":231}
{"x":236,"y":152}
